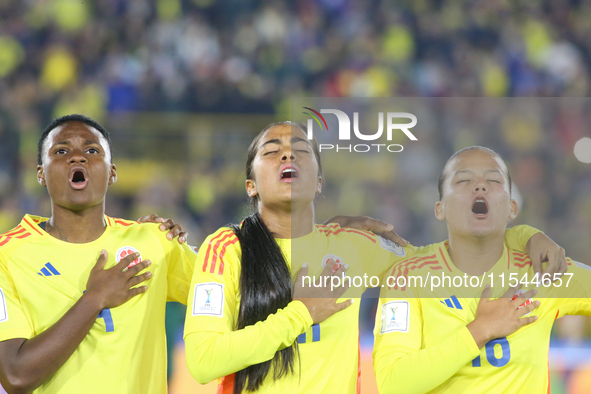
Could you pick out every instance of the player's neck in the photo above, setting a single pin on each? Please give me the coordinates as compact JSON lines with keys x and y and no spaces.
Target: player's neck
{"x":76,"y":226}
{"x":288,"y":224}
{"x":474,"y":255}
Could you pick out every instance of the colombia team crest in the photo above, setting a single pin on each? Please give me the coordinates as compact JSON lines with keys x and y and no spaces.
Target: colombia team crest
{"x":127,"y":250}
{"x":338,"y":262}
{"x":529,"y":301}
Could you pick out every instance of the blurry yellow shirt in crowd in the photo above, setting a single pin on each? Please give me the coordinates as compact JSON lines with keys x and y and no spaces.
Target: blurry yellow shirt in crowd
{"x":59,"y":69}
{"x":70,"y":15}
{"x":42,"y":277}
{"x":11,"y":55}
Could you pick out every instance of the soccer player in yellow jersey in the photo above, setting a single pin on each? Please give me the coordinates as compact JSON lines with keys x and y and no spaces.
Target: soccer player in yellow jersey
{"x":446,"y":340}
{"x":73,"y":319}
{"x":244,"y":324}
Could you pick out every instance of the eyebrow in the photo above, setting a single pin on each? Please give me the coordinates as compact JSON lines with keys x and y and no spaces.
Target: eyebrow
{"x":68,"y":142}
{"x":278,"y":141}
{"x":299,"y":139}
{"x":470,"y":172}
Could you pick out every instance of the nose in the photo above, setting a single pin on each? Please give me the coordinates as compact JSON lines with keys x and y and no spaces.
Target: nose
{"x":480,"y":186}
{"x":77,"y":157}
{"x":287,"y":154}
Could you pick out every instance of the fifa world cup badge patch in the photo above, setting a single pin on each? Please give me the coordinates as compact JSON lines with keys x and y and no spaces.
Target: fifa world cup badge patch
{"x":392,"y":247}
{"x":3,"y":310}
{"x":208,"y":299}
{"x":395,"y":317}
{"x":338,"y":262}
{"x":127,"y":250}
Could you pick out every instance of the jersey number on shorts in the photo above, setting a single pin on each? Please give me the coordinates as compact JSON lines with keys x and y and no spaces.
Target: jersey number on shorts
{"x":106,"y":316}
{"x":490,"y":353}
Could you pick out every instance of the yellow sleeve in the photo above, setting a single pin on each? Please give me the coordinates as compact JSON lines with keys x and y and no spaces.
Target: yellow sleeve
{"x":387,"y":256}
{"x":400,"y":365}
{"x":180,"y":263}
{"x":412,"y":250}
{"x":576,"y":293}
{"x":214,"y":348}
{"x":386,"y":253}
{"x":13,"y":321}
{"x":516,"y":238}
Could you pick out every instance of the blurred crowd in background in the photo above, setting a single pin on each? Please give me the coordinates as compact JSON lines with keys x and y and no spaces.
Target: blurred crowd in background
{"x":184,"y":85}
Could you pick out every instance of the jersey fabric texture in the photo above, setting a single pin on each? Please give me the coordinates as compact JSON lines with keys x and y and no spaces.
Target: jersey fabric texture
{"x":422,"y":344}
{"x":42,"y":277}
{"x":328,"y":352}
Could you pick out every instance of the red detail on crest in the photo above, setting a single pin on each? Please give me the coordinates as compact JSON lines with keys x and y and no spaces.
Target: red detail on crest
{"x":122,"y":253}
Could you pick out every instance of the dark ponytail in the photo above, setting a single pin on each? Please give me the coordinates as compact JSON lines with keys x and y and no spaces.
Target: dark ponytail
{"x":265,"y":287}
{"x":265,"y":282}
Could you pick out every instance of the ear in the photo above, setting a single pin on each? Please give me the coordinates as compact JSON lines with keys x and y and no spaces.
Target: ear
{"x":112,"y":174}
{"x":514,"y":208}
{"x":319,"y":185}
{"x":41,"y":176}
{"x":251,"y":188}
{"x":439,"y":210}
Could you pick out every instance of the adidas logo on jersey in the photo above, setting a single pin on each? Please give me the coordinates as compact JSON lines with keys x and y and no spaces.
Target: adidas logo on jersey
{"x":48,"y":270}
{"x":452,"y":302}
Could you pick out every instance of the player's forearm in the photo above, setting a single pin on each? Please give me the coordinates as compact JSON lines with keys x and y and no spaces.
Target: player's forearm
{"x":211,"y":355}
{"x":27,"y":364}
{"x":423,"y":370}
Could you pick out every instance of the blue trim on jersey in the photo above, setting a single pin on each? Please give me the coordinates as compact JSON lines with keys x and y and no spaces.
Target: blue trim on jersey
{"x":315,"y":332}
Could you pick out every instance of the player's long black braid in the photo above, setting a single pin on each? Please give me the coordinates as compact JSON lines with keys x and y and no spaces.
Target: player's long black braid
{"x":265,"y":287}
{"x":265,"y":282}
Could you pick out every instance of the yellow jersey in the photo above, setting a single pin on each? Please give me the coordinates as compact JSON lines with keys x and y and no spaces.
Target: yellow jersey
{"x":422,"y":344}
{"x":329,"y":351}
{"x":42,"y":277}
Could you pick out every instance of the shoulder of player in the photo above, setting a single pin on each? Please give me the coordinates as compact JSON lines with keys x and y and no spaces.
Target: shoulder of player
{"x":576,"y":266}
{"x":418,"y":264}
{"x":220,"y":249}
{"x":224,"y":239}
{"x":335,"y":230}
{"x":24,"y":232}
{"x":146,"y":232}
{"x":124,"y":223}
{"x":519,"y":259}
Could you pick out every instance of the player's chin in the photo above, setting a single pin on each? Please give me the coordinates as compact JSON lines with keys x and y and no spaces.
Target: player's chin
{"x":301,"y":196}
{"x":83,"y":201}
{"x":485,"y":230}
